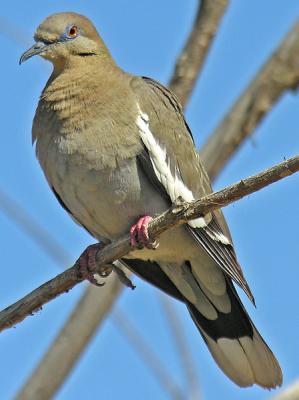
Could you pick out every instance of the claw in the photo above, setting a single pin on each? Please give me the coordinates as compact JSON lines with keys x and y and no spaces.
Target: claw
{"x":87,"y":267}
{"x":139,"y":234}
{"x":87,"y":264}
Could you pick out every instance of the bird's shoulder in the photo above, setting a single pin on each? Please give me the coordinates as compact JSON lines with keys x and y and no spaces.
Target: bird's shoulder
{"x":171,"y":132}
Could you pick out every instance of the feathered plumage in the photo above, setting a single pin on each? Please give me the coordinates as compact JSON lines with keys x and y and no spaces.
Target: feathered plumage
{"x":115,"y":147}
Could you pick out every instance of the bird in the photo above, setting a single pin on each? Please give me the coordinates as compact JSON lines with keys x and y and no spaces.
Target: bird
{"x":116,"y":150}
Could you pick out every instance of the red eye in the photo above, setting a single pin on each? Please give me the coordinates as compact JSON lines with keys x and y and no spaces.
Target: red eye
{"x":73,"y":31}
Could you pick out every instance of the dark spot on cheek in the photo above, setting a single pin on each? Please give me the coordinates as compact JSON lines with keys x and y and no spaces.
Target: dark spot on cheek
{"x":86,"y":54}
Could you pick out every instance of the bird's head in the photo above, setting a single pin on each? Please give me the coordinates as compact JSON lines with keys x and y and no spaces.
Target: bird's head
{"x":63,"y":36}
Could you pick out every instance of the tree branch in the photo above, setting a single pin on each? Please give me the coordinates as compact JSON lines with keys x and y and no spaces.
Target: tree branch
{"x":279,"y":74}
{"x":178,"y":214}
{"x":194,"y":53}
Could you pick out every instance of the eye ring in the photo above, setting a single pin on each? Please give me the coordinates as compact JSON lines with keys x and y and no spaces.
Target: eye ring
{"x":73,"y":32}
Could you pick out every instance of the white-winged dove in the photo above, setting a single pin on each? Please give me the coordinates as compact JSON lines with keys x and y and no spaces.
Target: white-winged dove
{"x":116,"y":150}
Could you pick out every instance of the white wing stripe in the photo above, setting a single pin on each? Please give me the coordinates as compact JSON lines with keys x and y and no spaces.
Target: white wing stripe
{"x":172,"y":183}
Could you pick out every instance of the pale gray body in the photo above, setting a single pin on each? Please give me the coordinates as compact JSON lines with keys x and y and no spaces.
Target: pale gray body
{"x":105,"y":190}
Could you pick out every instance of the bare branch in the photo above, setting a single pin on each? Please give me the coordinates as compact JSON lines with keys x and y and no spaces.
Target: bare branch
{"x":279,"y":74}
{"x":291,"y":392}
{"x":178,"y":214}
{"x":176,"y":328}
{"x":147,"y":354}
{"x":193,"y":55}
{"x":90,"y":312}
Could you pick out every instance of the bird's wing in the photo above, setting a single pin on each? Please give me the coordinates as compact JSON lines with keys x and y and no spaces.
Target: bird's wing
{"x":171,"y":162}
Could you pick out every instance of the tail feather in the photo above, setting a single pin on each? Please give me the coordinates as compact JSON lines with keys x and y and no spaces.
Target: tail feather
{"x":220,"y":317}
{"x":230,"y":357}
{"x":237,"y":347}
{"x":267,"y":372}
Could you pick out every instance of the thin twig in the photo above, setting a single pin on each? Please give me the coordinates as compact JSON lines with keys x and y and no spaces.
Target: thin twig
{"x":279,"y":74}
{"x":148,"y":354}
{"x":179,"y":214}
{"x":189,"y":63}
{"x":187,"y":364}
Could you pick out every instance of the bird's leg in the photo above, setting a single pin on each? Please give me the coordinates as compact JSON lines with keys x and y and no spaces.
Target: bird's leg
{"x":87,"y":264}
{"x":139,"y":234}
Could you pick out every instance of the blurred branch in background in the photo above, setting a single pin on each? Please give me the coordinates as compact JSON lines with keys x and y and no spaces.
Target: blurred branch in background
{"x":187,"y":364}
{"x":278,"y":75}
{"x":193,"y":55}
{"x":178,"y":214}
{"x":291,"y":392}
{"x":148,"y":354}
{"x":34,"y":230}
{"x":13,"y":32}
{"x":88,"y":315}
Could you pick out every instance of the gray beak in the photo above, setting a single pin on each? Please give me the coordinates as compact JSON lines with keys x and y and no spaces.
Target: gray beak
{"x":37,"y":48}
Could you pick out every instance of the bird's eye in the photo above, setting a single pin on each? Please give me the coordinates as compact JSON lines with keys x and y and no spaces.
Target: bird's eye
{"x":72,"y":31}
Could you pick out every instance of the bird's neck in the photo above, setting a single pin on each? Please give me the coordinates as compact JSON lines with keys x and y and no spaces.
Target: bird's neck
{"x":73,"y":92}
{"x":102,"y":62}
{"x":80,"y":73}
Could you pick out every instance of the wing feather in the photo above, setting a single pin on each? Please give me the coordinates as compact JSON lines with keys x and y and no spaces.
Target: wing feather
{"x":173,"y":167}
{"x":222,"y":253}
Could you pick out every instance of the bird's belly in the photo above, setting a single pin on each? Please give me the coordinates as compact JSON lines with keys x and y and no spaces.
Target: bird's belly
{"x":106,"y":202}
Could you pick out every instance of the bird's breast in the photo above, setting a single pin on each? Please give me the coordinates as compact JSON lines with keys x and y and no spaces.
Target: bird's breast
{"x":106,"y":200}
{"x":89,"y":158}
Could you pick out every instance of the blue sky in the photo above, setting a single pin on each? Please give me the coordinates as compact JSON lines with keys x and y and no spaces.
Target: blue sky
{"x":145,"y":38}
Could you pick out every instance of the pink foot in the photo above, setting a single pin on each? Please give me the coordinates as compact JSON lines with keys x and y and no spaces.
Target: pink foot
{"x":139,"y":234}
{"x":87,"y":264}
